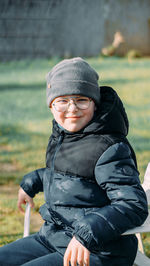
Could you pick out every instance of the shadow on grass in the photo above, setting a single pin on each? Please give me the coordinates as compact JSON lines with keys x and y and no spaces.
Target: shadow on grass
{"x":103,"y":81}
{"x":17,"y":86}
{"x":112,"y":82}
{"x":14,"y":133}
{"x":17,"y":133}
{"x":17,"y":146}
{"x":115,"y":63}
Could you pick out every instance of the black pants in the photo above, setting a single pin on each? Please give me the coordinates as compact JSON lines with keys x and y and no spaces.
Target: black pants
{"x":30,"y":251}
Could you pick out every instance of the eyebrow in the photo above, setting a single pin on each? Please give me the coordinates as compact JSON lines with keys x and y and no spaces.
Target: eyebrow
{"x":61,"y":97}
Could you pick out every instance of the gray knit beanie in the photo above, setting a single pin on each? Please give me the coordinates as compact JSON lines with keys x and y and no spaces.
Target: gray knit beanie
{"x":72,"y":76}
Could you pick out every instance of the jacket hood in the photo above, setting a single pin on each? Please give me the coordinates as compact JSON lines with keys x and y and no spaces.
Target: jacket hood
{"x":110,"y":117}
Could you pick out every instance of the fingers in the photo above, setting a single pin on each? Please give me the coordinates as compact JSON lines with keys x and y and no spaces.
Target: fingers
{"x":83,"y":258}
{"x":67,"y":257}
{"x":73,"y":259}
{"x":23,"y":198}
{"x":76,"y":253}
{"x":80,"y":258}
{"x":86,"y":258}
{"x":31,"y":203}
{"x":19,"y":205}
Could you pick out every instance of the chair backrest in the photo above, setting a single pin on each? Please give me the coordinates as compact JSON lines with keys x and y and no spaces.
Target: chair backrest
{"x":141,"y":258}
{"x":146,"y":183}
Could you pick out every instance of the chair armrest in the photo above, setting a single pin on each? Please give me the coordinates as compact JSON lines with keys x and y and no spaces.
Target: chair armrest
{"x":27,"y":221}
{"x":140,"y":229}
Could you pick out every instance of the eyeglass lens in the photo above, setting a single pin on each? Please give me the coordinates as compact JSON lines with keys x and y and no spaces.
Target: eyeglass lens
{"x":62,"y":104}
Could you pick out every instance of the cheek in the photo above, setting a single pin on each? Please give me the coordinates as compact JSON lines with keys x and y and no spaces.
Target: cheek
{"x":56,"y":115}
{"x":89,"y":115}
{"x":59,"y":117}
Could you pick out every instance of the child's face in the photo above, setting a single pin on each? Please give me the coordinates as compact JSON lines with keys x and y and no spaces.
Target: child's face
{"x":73,"y":119}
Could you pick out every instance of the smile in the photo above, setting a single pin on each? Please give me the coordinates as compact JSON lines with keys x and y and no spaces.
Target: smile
{"x":72,"y":117}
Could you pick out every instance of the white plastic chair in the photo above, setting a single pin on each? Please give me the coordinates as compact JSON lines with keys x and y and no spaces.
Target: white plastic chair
{"x":27,"y":221}
{"x":141,"y":258}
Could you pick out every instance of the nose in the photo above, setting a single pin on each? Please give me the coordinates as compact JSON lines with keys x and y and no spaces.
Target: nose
{"x":72,"y":106}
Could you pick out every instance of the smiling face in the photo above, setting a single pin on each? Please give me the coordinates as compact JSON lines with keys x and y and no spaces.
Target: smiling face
{"x":73,"y":119}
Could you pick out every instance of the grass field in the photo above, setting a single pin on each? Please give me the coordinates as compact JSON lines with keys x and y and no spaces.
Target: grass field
{"x":25,"y":126}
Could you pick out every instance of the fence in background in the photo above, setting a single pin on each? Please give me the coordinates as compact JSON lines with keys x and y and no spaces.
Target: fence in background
{"x":45,"y":28}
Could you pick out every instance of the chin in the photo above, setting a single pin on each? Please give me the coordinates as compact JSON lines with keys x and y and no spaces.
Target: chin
{"x":73,"y":129}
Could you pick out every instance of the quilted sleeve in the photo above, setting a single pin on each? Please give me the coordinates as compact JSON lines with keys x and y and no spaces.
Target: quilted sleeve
{"x":32,"y":183}
{"x":116,"y":174}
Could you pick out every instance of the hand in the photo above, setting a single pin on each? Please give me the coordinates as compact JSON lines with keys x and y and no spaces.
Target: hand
{"x":23,"y":198}
{"x":76,"y":253}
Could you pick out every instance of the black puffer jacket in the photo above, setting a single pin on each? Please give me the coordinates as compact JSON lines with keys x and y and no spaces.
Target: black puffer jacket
{"x":91,"y":184}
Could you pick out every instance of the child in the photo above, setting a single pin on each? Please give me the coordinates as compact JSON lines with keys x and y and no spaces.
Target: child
{"x":91,"y":183}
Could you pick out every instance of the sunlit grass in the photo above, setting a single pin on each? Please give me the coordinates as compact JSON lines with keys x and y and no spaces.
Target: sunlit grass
{"x":25,"y":125}
{"x":11,"y":220}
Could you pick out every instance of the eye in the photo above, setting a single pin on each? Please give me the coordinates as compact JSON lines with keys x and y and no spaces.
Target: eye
{"x":62,"y":101}
{"x":82,"y":100}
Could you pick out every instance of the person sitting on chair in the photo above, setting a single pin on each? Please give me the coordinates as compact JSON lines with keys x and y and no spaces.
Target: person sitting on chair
{"x":91,"y":182}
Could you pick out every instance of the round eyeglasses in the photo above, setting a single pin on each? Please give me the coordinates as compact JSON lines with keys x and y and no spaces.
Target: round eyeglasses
{"x":62,"y":104}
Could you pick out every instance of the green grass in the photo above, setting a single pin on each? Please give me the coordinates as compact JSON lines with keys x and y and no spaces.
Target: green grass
{"x":25,"y":125}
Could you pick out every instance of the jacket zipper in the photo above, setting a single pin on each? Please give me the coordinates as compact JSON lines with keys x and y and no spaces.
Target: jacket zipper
{"x":54,"y":216}
{"x":53,"y":163}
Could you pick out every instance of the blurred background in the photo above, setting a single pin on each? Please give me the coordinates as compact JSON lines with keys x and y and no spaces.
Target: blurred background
{"x":113,"y":36}
{"x":44,"y":28}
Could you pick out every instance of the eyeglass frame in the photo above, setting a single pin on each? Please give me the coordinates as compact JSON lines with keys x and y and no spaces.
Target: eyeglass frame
{"x":72,"y":98}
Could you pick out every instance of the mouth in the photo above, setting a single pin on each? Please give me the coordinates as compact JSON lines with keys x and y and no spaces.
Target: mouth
{"x":73,"y":117}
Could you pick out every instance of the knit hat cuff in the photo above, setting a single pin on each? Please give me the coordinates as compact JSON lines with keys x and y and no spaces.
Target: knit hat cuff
{"x":73,"y":87}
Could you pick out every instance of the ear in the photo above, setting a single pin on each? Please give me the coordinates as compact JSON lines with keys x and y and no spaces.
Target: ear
{"x":51,"y":108}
